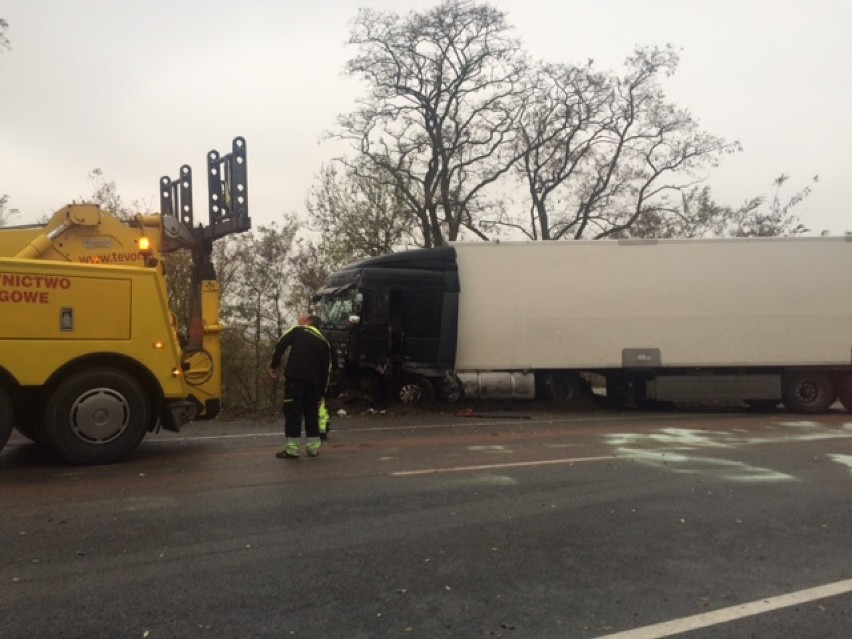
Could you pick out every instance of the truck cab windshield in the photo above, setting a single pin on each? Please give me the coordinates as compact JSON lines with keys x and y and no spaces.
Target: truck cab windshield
{"x":335,"y":310}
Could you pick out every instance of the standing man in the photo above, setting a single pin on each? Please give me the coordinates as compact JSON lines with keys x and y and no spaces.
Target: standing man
{"x":306,"y":377}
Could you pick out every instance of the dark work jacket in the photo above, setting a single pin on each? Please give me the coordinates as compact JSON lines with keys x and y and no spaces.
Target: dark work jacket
{"x":310,"y":356}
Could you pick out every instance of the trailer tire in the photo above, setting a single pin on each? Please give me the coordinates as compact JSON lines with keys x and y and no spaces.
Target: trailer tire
{"x":414,"y":390}
{"x":7,"y":417}
{"x":96,"y":416}
{"x":808,"y":392}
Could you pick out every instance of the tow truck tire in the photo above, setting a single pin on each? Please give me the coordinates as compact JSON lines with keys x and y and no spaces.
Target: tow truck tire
{"x":7,"y":417}
{"x":808,"y":392}
{"x":414,"y":390}
{"x":96,"y":416}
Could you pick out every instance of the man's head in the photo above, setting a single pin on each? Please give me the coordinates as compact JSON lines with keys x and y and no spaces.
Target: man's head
{"x":306,"y":319}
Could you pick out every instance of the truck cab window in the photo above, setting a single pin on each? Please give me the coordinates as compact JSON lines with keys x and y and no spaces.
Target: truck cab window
{"x":376,"y":307}
{"x":335,"y":311}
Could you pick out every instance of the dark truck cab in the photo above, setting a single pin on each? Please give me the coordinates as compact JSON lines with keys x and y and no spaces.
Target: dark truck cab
{"x":393,"y":322}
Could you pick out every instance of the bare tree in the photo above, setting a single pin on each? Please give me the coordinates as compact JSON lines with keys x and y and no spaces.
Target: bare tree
{"x":254,"y":276}
{"x":603,"y":154}
{"x":4,"y":39}
{"x":567,"y":115}
{"x":772,"y":215}
{"x":440,"y":114}
{"x":766,"y":215}
{"x":309,"y":267}
{"x":178,"y":268}
{"x":6,"y":213}
{"x":105,"y":194}
{"x":359,"y":213}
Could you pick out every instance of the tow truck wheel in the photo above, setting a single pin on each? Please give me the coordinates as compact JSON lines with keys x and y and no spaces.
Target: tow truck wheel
{"x":414,"y":390}
{"x":6,"y":417}
{"x":808,"y":392}
{"x":96,"y":416}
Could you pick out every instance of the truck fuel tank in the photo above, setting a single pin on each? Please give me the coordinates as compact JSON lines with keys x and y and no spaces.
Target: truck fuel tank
{"x":497,"y":384}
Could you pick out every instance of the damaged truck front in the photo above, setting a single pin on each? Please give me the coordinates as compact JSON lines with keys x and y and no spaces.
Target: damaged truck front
{"x":393,"y":321}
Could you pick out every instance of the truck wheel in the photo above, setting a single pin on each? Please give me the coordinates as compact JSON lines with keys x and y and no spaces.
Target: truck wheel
{"x":414,"y":390}
{"x":807,"y":392}
{"x":96,"y":416}
{"x":560,"y":387}
{"x":6,"y":417}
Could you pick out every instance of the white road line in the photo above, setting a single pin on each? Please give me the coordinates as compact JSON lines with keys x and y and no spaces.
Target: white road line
{"x":454,"y":469}
{"x":678,"y":626}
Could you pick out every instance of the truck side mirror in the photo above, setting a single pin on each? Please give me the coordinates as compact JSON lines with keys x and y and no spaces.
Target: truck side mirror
{"x":354,"y":320}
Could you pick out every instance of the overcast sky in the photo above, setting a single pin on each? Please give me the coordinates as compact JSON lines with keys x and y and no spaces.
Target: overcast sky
{"x":138,"y":88}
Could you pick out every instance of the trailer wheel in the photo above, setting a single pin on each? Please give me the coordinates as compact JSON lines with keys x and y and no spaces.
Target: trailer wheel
{"x":97,"y":416}
{"x":808,"y":392}
{"x":414,"y":390}
{"x":6,"y":417}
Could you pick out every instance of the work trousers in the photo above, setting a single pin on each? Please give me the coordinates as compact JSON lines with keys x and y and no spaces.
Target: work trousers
{"x":301,"y":401}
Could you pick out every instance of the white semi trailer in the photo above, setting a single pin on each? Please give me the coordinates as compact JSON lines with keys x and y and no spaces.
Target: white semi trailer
{"x":757,"y":320}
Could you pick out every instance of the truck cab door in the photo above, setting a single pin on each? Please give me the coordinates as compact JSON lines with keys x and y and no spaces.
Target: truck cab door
{"x":372,"y":334}
{"x":395,"y":327}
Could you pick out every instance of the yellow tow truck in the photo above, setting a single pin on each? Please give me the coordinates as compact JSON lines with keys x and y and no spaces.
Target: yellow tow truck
{"x":91,"y":356}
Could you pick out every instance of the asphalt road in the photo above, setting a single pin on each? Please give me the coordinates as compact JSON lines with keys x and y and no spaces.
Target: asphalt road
{"x":698,"y":525}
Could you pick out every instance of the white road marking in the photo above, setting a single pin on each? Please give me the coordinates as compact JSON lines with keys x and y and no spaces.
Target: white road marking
{"x":724,"y":615}
{"x":846,"y":460}
{"x":677,"y":462}
{"x":455,"y":469}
